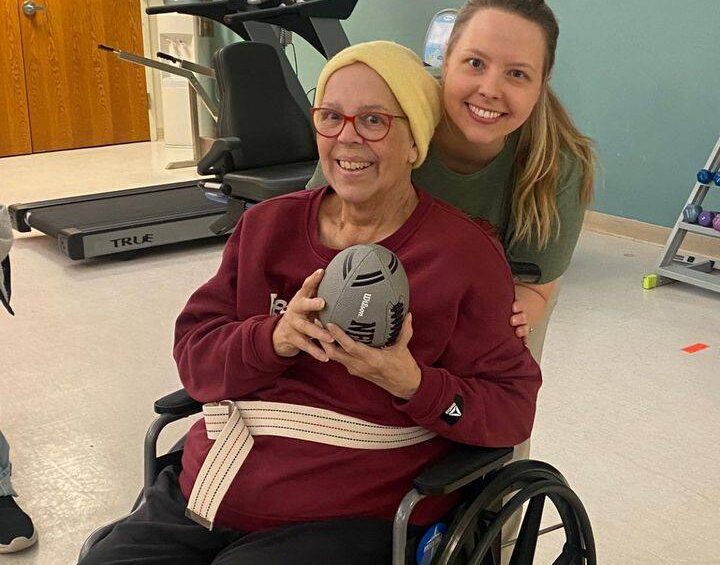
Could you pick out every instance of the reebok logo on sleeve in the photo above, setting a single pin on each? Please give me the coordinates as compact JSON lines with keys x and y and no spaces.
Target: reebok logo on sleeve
{"x":454,"y":412}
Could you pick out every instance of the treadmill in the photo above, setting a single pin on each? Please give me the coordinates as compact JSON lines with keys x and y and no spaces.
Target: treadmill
{"x":128,"y":220}
{"x":121,"y":221}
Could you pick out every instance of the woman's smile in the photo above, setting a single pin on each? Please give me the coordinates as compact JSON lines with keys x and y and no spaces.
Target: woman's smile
{"x":484,"y":115}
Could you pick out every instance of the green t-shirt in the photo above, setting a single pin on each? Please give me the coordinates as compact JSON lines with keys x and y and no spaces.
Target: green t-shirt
{"x":485,"y":195}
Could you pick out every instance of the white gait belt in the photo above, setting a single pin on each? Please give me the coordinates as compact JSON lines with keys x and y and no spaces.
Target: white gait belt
{"x":233,"y":424}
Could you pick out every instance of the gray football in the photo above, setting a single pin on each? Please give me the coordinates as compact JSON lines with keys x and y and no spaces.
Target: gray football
{"x":366,"y":293}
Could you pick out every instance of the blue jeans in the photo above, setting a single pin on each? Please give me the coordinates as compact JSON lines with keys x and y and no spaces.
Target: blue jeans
{"x":5,"y":468}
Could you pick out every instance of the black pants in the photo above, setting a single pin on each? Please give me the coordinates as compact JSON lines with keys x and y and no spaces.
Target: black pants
{"x":158,"y":533}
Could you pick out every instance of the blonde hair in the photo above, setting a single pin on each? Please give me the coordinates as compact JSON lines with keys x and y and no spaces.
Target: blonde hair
{"x":544,"y":137}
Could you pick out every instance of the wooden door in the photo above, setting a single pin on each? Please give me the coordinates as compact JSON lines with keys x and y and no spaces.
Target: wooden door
{"x":78,"y":95}
{"x":14,"y":119}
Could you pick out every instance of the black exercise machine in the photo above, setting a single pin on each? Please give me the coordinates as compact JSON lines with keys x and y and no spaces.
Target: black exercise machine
{"x":128,"y":220}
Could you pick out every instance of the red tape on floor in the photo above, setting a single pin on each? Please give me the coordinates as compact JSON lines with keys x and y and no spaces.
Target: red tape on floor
{"x":695,"y":348}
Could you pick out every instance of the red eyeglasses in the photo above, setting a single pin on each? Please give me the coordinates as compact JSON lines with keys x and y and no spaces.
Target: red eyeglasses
{"x":371,"y":126}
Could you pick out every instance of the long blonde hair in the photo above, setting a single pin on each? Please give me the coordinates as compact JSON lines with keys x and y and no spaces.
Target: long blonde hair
{"x":547,"y":133}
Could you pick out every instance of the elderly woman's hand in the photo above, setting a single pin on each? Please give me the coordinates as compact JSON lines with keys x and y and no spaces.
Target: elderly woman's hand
{"x":296,"y":328}
{"x":392,"y":368}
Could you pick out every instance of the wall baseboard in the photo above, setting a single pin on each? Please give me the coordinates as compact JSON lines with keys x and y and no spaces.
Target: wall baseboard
{"x":650,"y":233}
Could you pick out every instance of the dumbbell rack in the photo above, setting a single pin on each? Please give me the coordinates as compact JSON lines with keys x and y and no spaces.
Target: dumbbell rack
{"x":672,"y":267}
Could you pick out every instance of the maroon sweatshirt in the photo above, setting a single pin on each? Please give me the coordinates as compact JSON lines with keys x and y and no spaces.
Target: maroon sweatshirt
{"x":461,"y":292}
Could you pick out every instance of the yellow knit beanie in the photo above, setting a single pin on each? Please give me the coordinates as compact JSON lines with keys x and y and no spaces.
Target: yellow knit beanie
{"x":417,"y":92}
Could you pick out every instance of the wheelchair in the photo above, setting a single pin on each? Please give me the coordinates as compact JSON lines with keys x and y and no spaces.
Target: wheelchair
{"x":493,"y":490}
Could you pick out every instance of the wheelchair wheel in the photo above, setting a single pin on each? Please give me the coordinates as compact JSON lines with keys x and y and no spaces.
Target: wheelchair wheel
{"x":477,"y":528}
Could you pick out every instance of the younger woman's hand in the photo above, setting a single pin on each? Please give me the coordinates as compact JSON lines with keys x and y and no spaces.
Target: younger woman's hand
{"x":519,"y":321}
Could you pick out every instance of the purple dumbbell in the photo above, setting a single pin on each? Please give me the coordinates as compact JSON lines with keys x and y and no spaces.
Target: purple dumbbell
{"x":706,"y":218}
{"x":716,"y":222}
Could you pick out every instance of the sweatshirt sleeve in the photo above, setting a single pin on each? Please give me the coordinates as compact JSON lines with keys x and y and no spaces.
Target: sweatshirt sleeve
{"x":220,"y":356}
{"x":486,"y":390}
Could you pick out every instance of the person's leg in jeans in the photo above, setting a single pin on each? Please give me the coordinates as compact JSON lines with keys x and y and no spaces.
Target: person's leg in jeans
{"x":6,"y":488}
{"x":16,"y":529}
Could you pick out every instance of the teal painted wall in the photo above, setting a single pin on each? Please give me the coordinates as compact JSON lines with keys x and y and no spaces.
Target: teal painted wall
{"x":642,"y":77}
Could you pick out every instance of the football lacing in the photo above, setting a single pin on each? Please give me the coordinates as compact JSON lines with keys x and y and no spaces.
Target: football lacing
{"x":396,"y":319}
{"x":364,"y":332}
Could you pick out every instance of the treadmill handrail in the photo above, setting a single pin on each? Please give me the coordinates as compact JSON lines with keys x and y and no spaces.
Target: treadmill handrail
{"x":182,"y":71}
{"x":188,"y":65}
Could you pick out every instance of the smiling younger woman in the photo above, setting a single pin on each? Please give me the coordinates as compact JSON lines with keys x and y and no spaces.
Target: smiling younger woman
{"x":506,"y":152}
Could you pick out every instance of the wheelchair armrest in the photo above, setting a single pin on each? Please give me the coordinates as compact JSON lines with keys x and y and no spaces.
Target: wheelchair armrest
{"x":461,"y":467}
{"x":526,"y":272}
{"x":177,"y":403}
{"x":221,"y":157}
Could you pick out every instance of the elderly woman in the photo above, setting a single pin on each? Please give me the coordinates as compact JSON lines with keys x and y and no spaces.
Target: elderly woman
{"x":248,"y":345}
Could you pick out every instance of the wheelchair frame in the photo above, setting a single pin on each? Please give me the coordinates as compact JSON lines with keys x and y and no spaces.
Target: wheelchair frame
{"x":473,"y":536}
